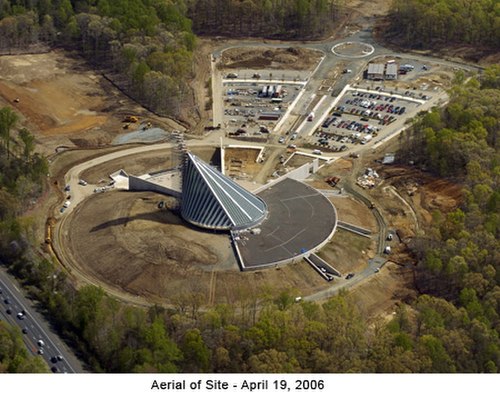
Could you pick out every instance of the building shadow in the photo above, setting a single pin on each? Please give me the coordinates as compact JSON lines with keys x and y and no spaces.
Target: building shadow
{"x":165,"y":217}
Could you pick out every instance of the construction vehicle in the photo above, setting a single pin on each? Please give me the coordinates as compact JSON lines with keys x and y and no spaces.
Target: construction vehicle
{"x":332,"y":181}
{"x":130,"y":119}
{"x":49,"y":224}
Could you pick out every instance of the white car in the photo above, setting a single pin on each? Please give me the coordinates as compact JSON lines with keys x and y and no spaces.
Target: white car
{"x":83,"y":183}
{"x":66,"y":204}
{"x":281,"y":140}
{"x":40,"y":343}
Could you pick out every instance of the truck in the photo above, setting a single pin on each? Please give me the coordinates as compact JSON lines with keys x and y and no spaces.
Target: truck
{"x":130,"y":119}
{"x":367,"y":138}
{"x":310,"y":117}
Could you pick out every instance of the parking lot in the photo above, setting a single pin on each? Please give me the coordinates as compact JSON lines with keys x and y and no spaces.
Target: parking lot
{"x":360,"y":116}
{"x":252,"y":109}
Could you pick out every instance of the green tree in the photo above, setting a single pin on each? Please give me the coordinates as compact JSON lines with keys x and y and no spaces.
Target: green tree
{"x":8,"y":119}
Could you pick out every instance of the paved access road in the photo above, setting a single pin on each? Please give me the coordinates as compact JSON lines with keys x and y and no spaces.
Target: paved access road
{"x":34,"y":328}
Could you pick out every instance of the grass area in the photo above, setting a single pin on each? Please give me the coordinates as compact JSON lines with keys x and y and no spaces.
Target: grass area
{"x":351,"y":248}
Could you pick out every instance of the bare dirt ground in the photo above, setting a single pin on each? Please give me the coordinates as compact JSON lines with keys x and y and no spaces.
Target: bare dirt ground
{"x":440,"y":77}
{"x":352,"y":211}
{"x":348,"y":252}
{"x":136,"y":165}
{"x":340,"y":168}
{"x":270,"y":58}
{"x":384,"y":291}
{"x":406,"y":198}
{"x":423,"y":192}
{"x":300,"y":160}
{"x":241,"y":162}
{"x":63,"y":102}
{"x":142,"y":163}
{"x":123,"y":240}
{"x":201,"y":113}
{"x":369,"y":7}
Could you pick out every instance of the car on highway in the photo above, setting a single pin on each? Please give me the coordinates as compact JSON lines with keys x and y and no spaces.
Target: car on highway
{"x":20,"y":316}
{"x":9,"y":311}
{"x":25,"y":330}
{"x":40,"y":343}
{"x":7,"y":301}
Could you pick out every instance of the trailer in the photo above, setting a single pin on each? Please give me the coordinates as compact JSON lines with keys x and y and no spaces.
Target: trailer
{"x":269,"y":116}
{"x":278,"y":91}
{"x":271,"y":90}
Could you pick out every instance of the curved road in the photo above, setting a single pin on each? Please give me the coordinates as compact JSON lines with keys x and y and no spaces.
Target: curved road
{"x":314,"y":81}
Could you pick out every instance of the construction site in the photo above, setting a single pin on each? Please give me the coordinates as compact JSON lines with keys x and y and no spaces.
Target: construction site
{"x":343,"y":224}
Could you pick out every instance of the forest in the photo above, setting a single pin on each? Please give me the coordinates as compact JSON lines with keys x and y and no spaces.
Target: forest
{"x":452,"y":326}
{"x":291,"y":19}
{"x":146,"y":45}
{"x":442,"y":23}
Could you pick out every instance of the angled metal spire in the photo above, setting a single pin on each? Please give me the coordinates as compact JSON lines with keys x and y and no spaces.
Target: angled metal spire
{"x":212,"y":200}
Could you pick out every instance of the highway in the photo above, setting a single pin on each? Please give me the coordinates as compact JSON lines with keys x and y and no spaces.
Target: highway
{"x":34,"y":328}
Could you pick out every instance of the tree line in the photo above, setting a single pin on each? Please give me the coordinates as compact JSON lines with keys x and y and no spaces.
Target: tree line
{"x":452,"y":326}
{"x":440,"y":23}
{"x":148,"y":44}
{"x":264,"y":18}
{"x":459,"y":257}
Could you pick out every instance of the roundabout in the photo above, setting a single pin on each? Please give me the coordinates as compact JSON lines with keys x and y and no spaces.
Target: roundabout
{"x":353,"y":49}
